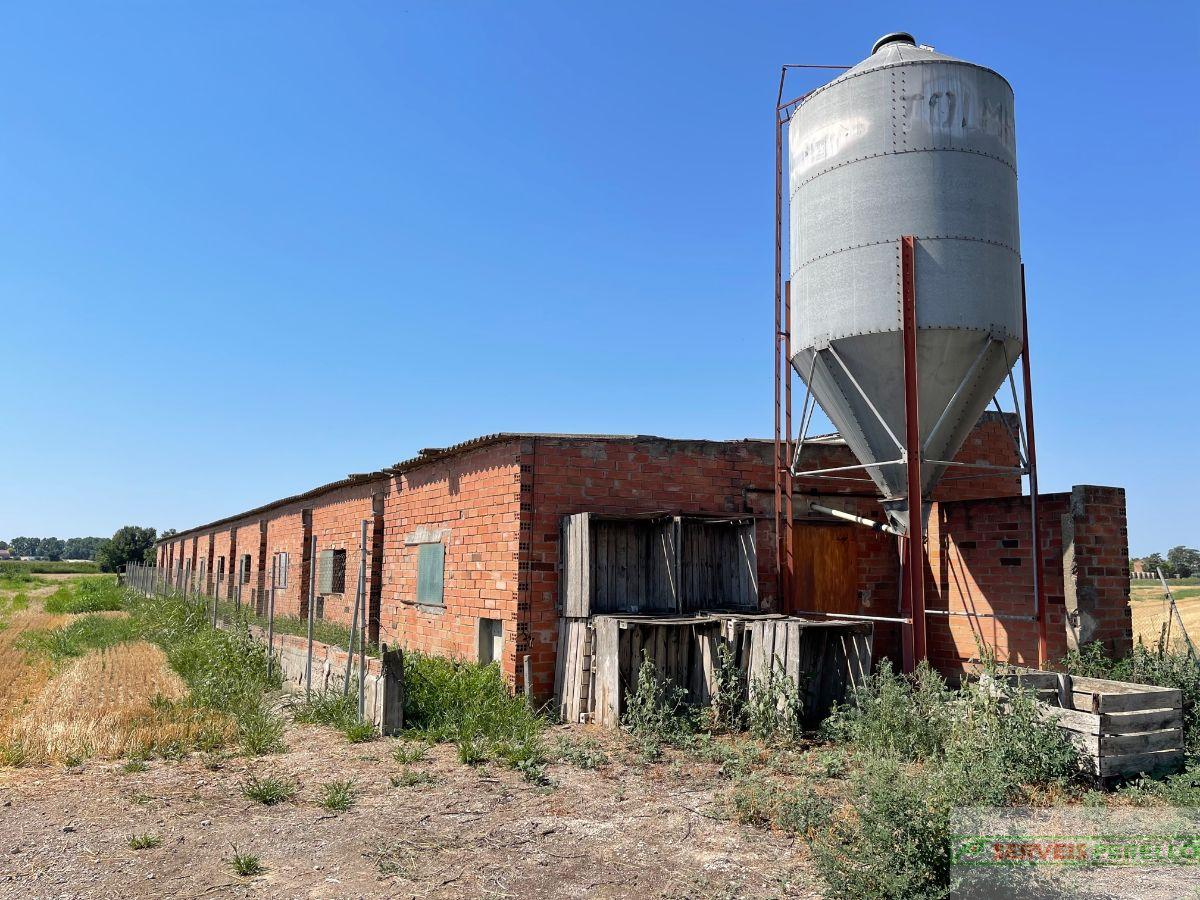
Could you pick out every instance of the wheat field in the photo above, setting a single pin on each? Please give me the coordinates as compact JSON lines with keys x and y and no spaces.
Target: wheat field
{"x":120,"y":701}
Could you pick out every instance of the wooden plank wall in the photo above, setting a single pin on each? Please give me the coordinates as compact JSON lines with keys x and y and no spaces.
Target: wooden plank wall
{"x":827,"y":657}
{"x":826,"y":660}
{"x":670,"y":565}
{"x":718,"y":566}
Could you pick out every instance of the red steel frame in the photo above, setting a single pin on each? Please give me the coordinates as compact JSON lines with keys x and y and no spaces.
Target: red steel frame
{"x":913,"y":617}
{"x":914,"y":543}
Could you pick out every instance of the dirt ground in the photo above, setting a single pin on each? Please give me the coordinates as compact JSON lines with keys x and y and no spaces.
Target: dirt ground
{"x":618,"y":831}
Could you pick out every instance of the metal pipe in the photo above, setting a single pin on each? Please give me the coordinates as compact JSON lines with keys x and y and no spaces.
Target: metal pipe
{"x":362,"y":628}
{"x":1004,"y":617}
{"x":312,"y":608}
{"x":904,"y":620}
{"x":1012,"y":470}
{"x":788,"y":549}
{"x":1039,"y":606}
{"x":271,"y":616}
{"x":778,"y":339}
{"x":858,"y":520}
{"x":890,"y":462}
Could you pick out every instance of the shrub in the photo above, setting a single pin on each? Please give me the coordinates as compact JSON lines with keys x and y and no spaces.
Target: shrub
{"x":470,"y":705}
{"x":776,"y":708}
{"x":890,"y":713}
{"x":893,"y":841}
{"x":728,"y":709}
{"x":270,"y":790}
{"x":984,"y":748}
{"x":657,"y":711}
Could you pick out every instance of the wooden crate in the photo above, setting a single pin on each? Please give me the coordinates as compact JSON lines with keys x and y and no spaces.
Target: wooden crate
{"x":826,"y":659}
{"x":673,"y":645}
{"x":1124,"y":728}
{"x":656,"y":564}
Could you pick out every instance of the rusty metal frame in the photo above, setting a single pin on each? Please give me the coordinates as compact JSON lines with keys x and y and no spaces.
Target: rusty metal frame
{"x":914,"y":543}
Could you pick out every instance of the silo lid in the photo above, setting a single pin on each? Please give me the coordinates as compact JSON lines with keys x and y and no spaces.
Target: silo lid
{"x":894,"y":37}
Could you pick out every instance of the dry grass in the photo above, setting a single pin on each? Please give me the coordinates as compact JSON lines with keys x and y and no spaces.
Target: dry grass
{"x":1150,"y":610}
{"x":110,"y":703}
{"x":22,"y":676}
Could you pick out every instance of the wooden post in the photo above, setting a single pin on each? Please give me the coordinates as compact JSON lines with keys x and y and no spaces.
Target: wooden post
{"x":392,"y":705}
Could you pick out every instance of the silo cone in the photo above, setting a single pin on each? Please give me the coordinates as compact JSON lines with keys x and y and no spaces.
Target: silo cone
{"x":908,"y":142}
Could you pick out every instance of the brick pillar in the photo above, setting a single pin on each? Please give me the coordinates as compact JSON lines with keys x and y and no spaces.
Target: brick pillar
{"x":1096,"y":569}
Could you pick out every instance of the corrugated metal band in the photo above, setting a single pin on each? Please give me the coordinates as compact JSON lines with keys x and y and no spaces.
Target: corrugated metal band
{"x":848,"y":162}
{"x":842,"y":79}
{"x":925,"y":237}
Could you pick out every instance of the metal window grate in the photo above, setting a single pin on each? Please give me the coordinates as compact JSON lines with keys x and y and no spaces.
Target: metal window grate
{"x":431,"y":566}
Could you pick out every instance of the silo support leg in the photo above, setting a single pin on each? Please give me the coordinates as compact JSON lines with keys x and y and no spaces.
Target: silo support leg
{"x":914,"y":563}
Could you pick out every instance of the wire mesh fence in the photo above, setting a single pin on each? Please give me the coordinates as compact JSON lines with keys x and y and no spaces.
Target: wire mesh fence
{"x":1165,"y":615}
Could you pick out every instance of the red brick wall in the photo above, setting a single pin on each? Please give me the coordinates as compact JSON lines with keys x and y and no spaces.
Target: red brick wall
{"x":336,"y":524}
{"x":472,"y":503}
{"x":980,"y":560}
{"x":287,"y":533}
{"x":498,"y":510}
{"x":1096,"y":568}
{"x":561,"y":476}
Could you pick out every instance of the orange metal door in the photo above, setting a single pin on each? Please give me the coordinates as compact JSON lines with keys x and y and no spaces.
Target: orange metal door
{"x":826,"y":572}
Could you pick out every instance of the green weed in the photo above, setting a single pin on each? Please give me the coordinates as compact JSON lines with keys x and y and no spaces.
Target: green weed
{"x":656,"y":711}
{"x":245,"y":864}
{"x":270,"y":790}
{"x":585,"y":754}
{"x":411,"y":778}
{"x":470,"y":705}
{"x":337,"y":710}
{"x":144,"y":841}
{"x":86,"y":596}
{"x":407,"y":753}
{"x":338,"y":796}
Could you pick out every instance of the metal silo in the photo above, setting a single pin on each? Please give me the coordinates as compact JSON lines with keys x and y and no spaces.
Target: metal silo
{"x":909,"y":142}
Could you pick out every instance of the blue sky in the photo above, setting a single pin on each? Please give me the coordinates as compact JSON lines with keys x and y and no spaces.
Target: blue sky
{"x":248,"y":248}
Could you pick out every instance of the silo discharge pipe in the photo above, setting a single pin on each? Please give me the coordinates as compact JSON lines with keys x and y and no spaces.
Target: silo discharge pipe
{"x":857,"y":520}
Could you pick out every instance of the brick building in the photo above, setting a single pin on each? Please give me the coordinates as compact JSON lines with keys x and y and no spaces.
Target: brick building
{"x":464,"y":544}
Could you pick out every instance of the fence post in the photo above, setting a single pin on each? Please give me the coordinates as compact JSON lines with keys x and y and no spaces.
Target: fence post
{"x":271,"y":617}
{"x":312,"y":610}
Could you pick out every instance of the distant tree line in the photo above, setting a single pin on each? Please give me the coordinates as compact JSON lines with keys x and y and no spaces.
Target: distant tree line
{"x":1181,"y":561}
{"x":129,"y":544}
{"x":53,"y":548}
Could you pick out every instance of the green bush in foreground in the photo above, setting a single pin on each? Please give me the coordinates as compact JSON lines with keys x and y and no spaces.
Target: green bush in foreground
{"x":470,"y":705}
{"x":92,"y":595}
{"x":225,"y":669}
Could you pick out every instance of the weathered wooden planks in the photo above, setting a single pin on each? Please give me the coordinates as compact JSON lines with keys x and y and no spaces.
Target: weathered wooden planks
{"x":574,"y":670}
{"x":825,"y":659}
{"x":657,"y":564}
{"x":1124,"y":728}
